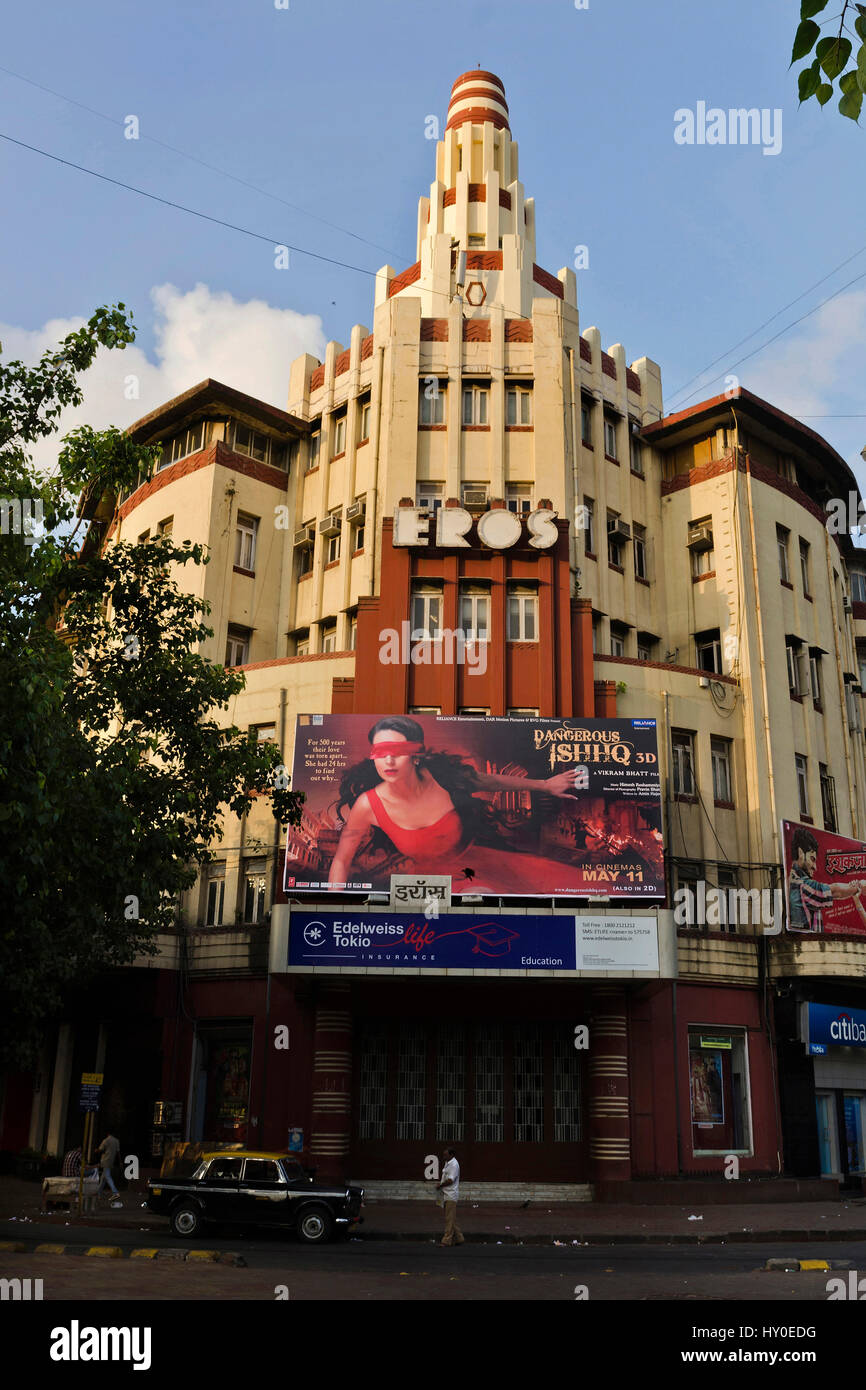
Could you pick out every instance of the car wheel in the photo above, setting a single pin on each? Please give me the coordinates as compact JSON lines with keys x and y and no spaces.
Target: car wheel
{"x":186,"y":1221}
{"x":316,"y":1225}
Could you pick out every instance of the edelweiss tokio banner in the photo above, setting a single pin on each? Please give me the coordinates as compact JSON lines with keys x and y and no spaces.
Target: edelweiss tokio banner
{"x":825,"y":882}
{"x":516,"y":807}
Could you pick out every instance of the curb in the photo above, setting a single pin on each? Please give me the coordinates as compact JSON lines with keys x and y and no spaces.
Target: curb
{"x":597,"y":1238}
{"x":140,"y":1252}
{"x":804,"y":1266}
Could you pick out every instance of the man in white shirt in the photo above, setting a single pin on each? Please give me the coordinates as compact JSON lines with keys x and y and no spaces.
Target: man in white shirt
{"x":449,"y":1186}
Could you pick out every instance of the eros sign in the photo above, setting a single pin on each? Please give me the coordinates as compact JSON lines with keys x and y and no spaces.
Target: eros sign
{"x":497,"y":529}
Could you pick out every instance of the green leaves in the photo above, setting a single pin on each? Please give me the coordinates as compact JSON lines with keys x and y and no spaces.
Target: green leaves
{"x":804,"y":39}
{"x":832,"y":56}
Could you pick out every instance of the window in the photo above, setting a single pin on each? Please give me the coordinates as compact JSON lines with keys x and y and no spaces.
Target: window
{"x":518,"y":405}
{"x":522,"y":613}
{"x":586,"y":422}
{"x":189,"y":441}
{"x":795,"y":656}
{"x":144,"y":538}
{"x":523,"y":713}
{"x":588,"y":517}
{"x":636,"y":453}
{"x":475,"y":612}
{"x":702,"y":562}
{"x":302,"y":644}
{"x":329,"y":637}
{"x":861,"y":666}
{"x":475,"y":405}
{"x":640,"y":565}
{"x":425,"y":709}
{"x":518,"y":497}
{"x":727,"y":880}
{"x":237,"y":646}
{"x":431,"y":406}
{"x":473,"y":496}
{"x":249,"y":442}
{"x":596,"y":635}
{"x":315,"y":450}
{"x":720,"y":754}
{"x":473,"y":711}
{"x":429,"y":496}
{"x":265,"y":733}
{"x":216,"y":892}
{"x":333,"y":554}
{"x":339,"y":442}
{"x":353,"y":631}
{"x":359,"y":537}
{"x":719,"y":1091}
{"x":801,"y":766}
{"x":858,"y":586}
{"x":828,"y":798}
{"x":305,"y":560}
{"x":610,"y":438}
{"x":708,"y":648}
{"x":363,"y":421}
{"x":255,"y":886}
{"x":804,"y":565}
{"x":165,"y":527}
{"x":815,"y":672}
{"x":782,"y":537}
{"x":245,"y":541}
{"x":683,"y":752}
{"x":476,"y":240}
{"x":617,"y":534}
{"x":426,"y":612}
{"x":646,"y":645}
{"x":618,"y":635}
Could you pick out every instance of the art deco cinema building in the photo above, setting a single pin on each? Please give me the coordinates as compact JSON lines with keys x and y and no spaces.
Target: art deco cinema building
{"x":692,"y":581}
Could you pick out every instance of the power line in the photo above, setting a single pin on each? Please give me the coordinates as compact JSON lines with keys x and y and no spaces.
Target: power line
{"x":224,"y":173}
{"x":219,"y":221}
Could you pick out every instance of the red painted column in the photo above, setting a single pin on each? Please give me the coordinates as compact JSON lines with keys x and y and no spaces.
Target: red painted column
{"x":332,"y":1079}
{"x":609,"y":1125}
{"x":581,"y":657}
{"x":605,"y":699}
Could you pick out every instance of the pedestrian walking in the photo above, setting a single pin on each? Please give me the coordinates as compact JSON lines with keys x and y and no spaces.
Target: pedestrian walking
{"x":107,"y":1151}
{"x":449,"y":1186}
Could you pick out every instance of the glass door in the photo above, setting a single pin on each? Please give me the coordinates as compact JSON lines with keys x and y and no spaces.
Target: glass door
{"x":852,"y":1113}
{"x":828,"y":1148}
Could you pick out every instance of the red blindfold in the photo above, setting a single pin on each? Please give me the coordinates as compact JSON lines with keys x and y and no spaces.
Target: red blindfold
{"x":396,"y":750}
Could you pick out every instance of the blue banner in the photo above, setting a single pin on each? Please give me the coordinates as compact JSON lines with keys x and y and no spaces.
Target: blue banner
{"x":836,"y":1026}
{"x":462,"y":941}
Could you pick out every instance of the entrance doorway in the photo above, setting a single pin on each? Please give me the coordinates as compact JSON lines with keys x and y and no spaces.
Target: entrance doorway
{"x":506,"y":1094}
{"x":841,"y":1116}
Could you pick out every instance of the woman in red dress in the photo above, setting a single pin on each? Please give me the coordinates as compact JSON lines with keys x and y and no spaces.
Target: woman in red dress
{"x":427,"y":806}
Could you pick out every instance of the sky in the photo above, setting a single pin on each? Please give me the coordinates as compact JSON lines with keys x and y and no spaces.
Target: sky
{"x":306,"y":125}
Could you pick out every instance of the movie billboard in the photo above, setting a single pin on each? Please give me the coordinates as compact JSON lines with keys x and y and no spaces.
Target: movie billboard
{"x":825,"y":882}
{"x":511,"y":807}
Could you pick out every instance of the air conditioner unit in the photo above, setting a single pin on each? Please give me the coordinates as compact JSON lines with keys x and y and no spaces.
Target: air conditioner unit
{"x":701,"y":537}
{"x":306,"y":536}
{"x":356,"y":512}
{"x":475,"y":497}
{"x":331,"y":526}
{"x":846,"y":604}
{"x":619,"y":529}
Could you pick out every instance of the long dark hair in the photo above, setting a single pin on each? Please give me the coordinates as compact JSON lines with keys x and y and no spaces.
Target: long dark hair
{"x":456,"y":776}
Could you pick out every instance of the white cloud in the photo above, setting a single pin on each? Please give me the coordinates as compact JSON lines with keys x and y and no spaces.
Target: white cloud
{"x":821,"y":370}
{"x":200,"y":333}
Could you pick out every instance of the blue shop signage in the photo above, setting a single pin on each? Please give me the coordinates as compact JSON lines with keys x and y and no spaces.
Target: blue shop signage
{"x":397,"y":940}
{"x":834,"y":1025}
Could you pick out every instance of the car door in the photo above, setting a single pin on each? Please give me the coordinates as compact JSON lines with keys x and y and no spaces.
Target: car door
{"x":263,"y":1195}
{"x":220,"y":1186}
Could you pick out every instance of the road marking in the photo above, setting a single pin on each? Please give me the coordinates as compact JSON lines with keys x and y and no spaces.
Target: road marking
{"x":814,"y":1264}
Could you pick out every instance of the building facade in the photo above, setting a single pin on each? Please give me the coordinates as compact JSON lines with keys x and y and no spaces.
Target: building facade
{"x":693,"y":581}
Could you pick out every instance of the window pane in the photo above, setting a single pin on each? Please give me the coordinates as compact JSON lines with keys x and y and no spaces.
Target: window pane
{"x":482,"y":407}
{"x":511,"y":408}
{"x":467,"y":406}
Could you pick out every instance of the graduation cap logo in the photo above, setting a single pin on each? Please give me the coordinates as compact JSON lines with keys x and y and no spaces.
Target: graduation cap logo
{"x":492,"y":939}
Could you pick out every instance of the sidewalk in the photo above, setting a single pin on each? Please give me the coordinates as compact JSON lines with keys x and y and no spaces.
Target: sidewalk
{"x":589,"y":1222}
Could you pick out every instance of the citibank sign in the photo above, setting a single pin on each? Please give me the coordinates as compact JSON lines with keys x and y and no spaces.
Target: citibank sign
{"x":828,"y":1024}
{"x":498,"y":529}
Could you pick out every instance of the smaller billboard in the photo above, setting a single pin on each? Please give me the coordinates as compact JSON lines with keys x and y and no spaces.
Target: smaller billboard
{"x":833,"y":1025}
{"x":825,"y":880}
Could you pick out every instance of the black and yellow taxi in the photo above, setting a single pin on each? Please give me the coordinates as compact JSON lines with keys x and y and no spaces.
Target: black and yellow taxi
{"x":254,"y":1188}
